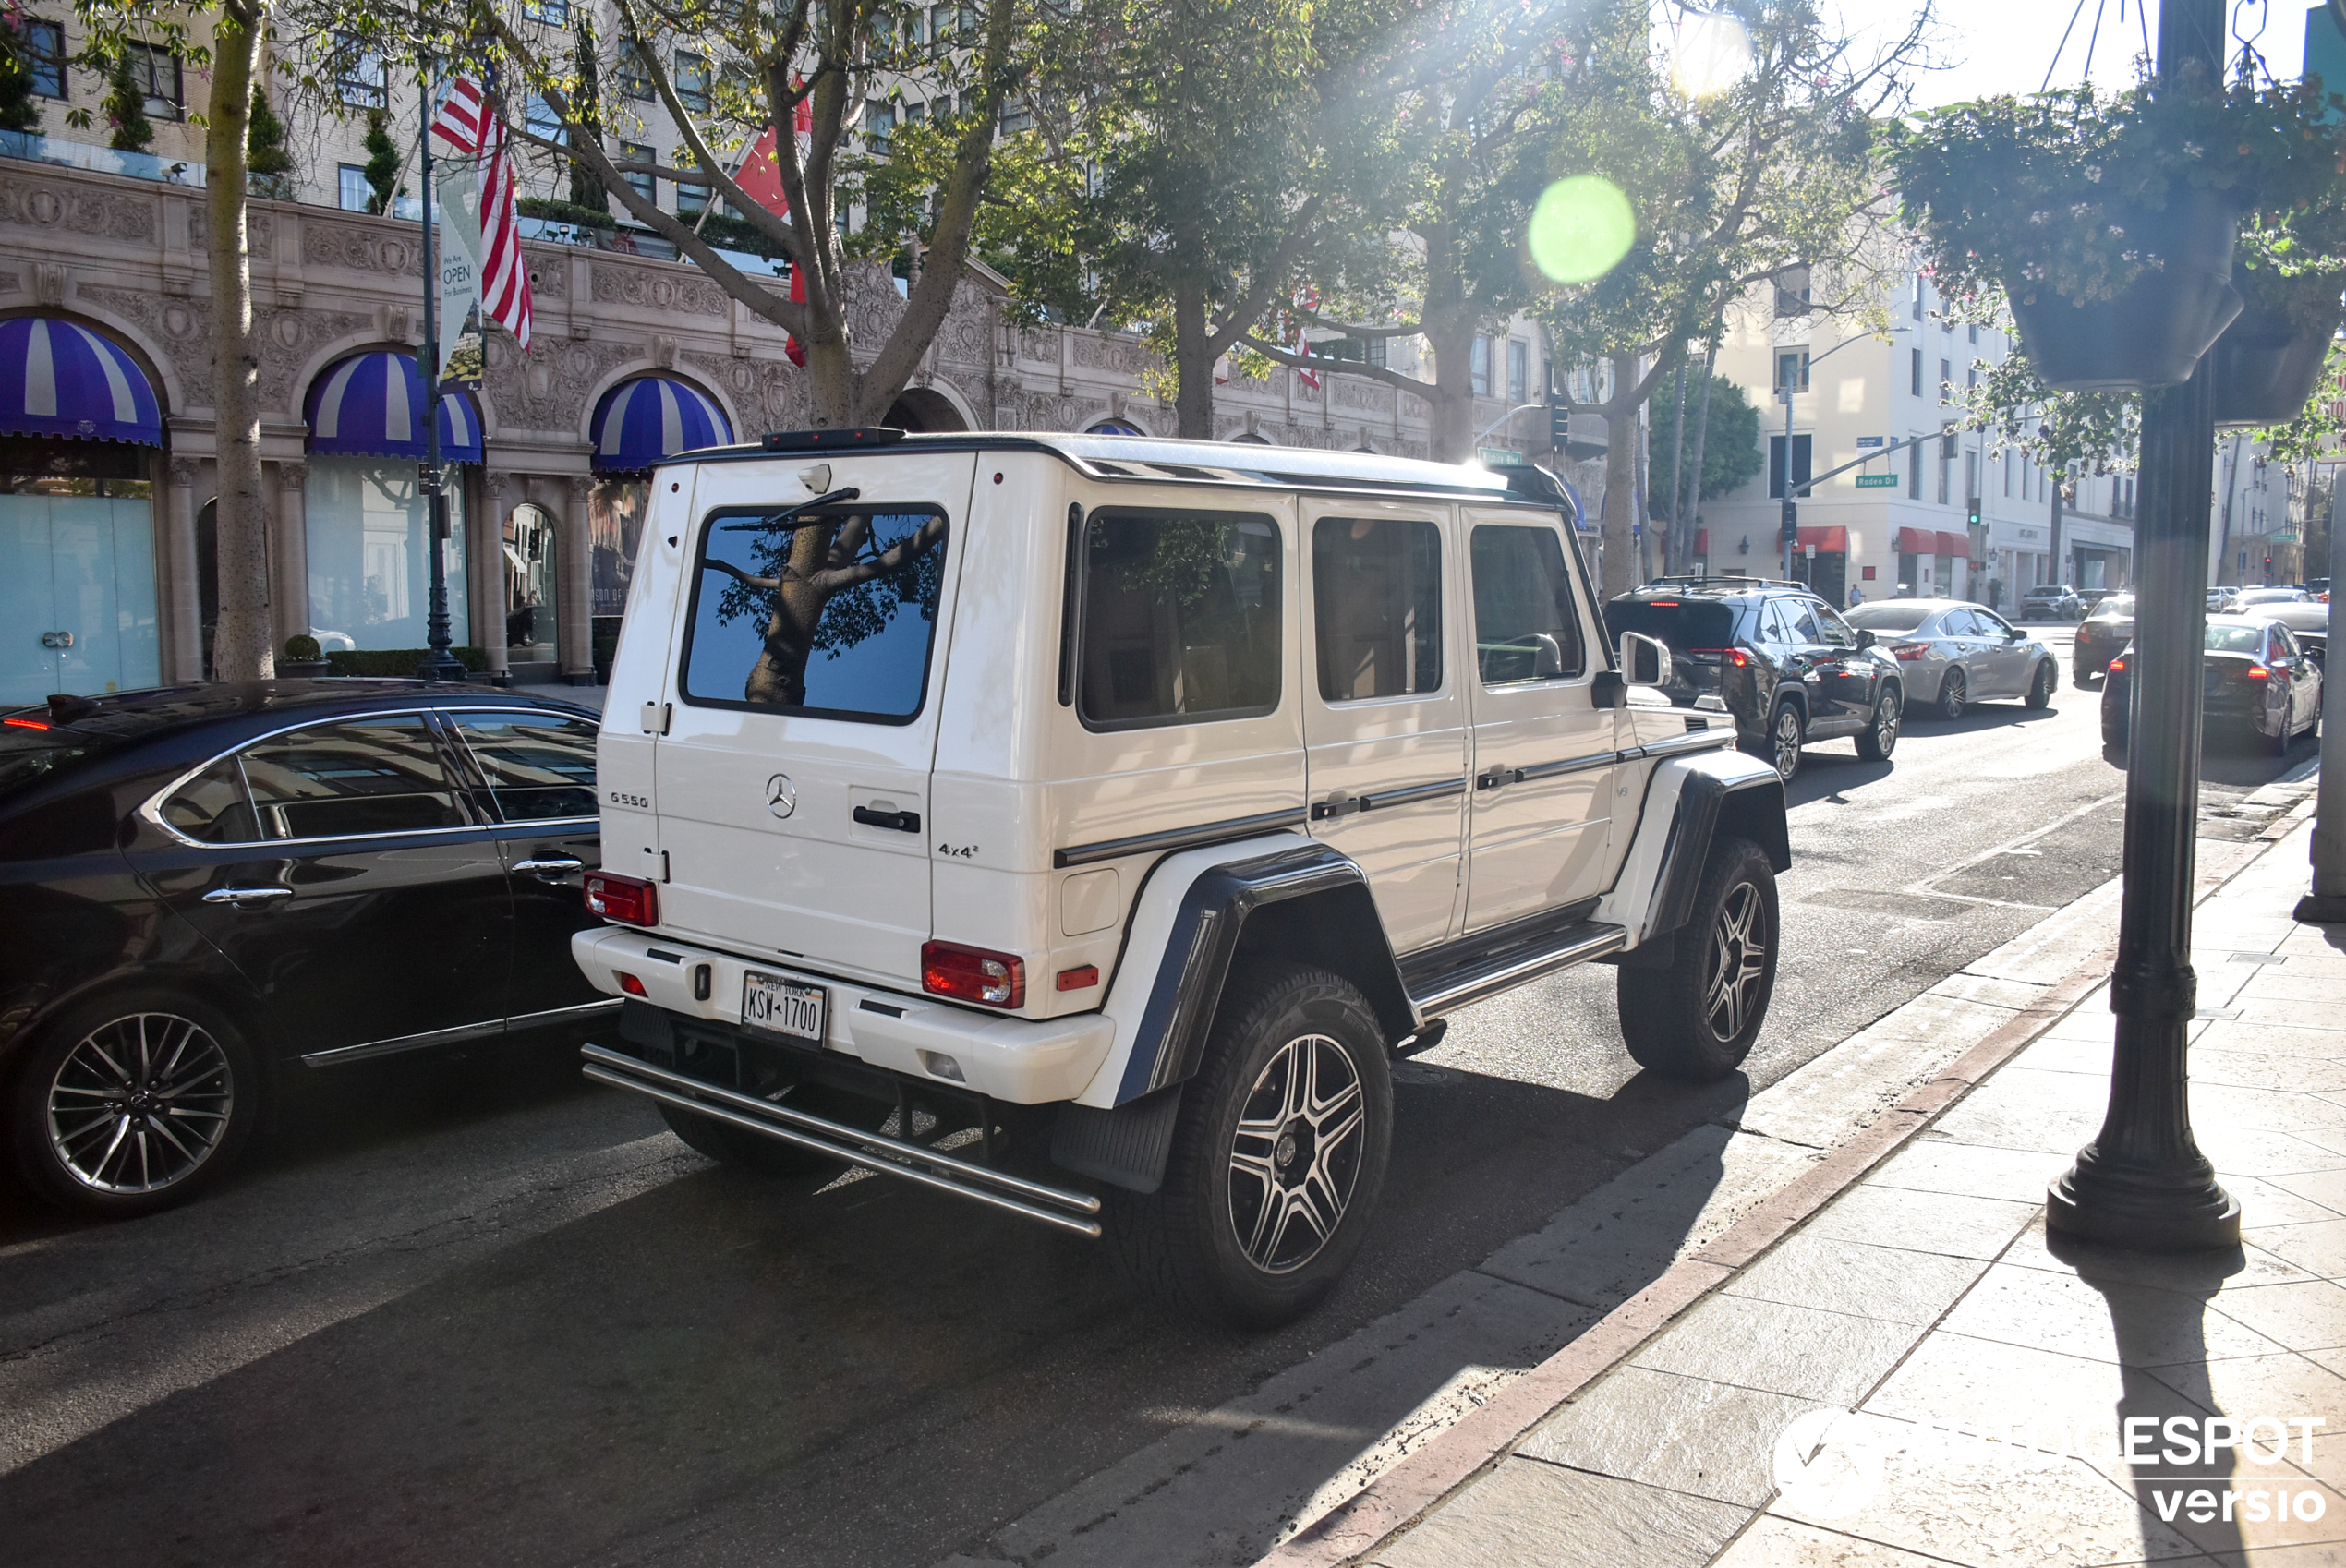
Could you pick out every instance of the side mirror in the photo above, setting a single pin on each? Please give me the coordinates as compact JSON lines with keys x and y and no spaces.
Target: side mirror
{"x":1645,"y":661}
{"x":2014,"y":634}
{"x":1866,"y":639}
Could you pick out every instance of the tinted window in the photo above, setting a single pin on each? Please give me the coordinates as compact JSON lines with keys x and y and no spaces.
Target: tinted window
{"x":339,"y":780}
{"x":213,"y":808}
{"x":831,"y":613}
{"x":540,"y":766}
{"x":2236,"y":639}
{"x":2118,"y":609}
{"x":1991,"y":624}
{"x":1833,"y":630}
{"x":1181,"y":617}
{"x":1524,"y":624}
{"x":1799,"y":626}
{"x":31,"y":751}
{"x":1683,"y":625}
{"x":1889,"y":617}
{"x":1377,"y":589}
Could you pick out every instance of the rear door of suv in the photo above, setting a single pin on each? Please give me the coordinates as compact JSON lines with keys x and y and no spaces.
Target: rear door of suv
{"x":803,"y":669}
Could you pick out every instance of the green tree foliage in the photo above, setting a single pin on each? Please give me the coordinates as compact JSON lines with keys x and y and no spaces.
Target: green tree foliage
{"x":1730,"y":448}
{"x":267,"y":158}
{"x":126,"y":107}
{"x":382,"y":161}
{"x":20,"y":108}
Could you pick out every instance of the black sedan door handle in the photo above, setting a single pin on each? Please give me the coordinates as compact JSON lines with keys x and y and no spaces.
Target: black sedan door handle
{"x":900,"y":821}
{"x":247,"y":897}
{"x":553,"y":868}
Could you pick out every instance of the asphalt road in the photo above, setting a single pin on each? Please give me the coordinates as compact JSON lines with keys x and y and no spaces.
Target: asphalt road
{"x":471,"y":1310}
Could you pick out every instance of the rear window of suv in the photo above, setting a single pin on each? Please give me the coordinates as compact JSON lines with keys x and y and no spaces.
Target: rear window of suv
{"x":828,"y":613}
{"x":1683,"y":625}
{"x":1179,"y":618}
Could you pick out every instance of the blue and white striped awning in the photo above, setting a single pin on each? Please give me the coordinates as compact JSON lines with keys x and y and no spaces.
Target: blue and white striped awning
{"x":650,"y":419}
{"x":58,"y":379}
{"x":365,"y":406}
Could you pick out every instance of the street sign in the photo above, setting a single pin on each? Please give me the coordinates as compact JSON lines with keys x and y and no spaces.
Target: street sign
{"x":1870,"y":440}
{"x":2282,"y":539}
{"x":1877,"y":481}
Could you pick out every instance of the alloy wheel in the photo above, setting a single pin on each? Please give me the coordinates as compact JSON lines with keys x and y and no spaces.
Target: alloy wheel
{"x":1736,"y":965}
{"x":1885,"y":724}
{"x":1787,"y":742}
{"x":1951,"y":695}
{"x":1296,"y":1153}
{"x":140,"y":1103}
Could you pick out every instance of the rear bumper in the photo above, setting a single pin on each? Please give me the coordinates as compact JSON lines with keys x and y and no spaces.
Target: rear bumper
{"x":1023,"y":1061}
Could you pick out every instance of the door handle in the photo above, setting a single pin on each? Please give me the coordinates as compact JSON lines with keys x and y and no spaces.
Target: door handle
{"x":897,"y":821}
{"x":1338,"y":805}
{"x":553,"y":868}
{"x":1497,"y":778}
{"x":246,"y":898}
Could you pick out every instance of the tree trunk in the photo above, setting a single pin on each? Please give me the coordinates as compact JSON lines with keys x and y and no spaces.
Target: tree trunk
{"x":1192,"y":364}
{"x":242,"y":645}
{"x":1620,"y":480}
{"x":1452,"y":434}
{"x":1694,"y":486}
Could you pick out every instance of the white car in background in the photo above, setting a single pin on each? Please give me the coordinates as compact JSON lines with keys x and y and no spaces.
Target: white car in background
{"x":1954,"y":653}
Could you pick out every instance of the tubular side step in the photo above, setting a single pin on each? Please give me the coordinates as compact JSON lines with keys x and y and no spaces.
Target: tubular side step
{"x":1053,"y":1206}
{"x":1440,"y":993}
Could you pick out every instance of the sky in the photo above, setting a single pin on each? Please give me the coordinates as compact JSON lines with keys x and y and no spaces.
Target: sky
{"x":1991,"y":46}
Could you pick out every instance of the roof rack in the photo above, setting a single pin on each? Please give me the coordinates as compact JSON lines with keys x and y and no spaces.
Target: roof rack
{"x":1707,"y":579}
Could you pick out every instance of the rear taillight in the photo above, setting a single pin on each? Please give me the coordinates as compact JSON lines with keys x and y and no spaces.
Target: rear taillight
{"x":2085,"y":632}
{"x":1735,"y":657}
{"x":623,"y":900}
{"x":2118,"y":665}
{"x":629,"y":983}
{"x":1909,"y":652}
{"x":973,"y":974}
{"x":2257,"y":672}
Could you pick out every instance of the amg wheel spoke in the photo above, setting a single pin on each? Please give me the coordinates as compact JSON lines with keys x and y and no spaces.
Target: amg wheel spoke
{"x":1336,"y":1103}
{"x":114,"y":1131}
{"x":1256,"y":1165}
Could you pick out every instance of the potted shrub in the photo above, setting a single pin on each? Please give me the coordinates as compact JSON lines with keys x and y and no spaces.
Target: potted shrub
{"x":302,"y":660}
{"x":2106,"y":222}
{"x":2291,"y":276}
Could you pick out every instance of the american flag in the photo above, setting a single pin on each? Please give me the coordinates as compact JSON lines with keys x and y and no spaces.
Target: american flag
{"x":468,"y":122}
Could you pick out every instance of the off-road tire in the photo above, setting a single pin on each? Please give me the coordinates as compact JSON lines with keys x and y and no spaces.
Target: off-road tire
{"x":2040,"y":685}
{"x":1954,"y":695}
{"x":731,"y":1145}
{"x":201,"y":1079}
{"x":1672,"y":1017}
{"x":1880,"y":738}
{"x":1183,"y":1242}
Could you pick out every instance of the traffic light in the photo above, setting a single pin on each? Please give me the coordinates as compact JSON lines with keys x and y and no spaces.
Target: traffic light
{"x":1975,"y":512}
{"x":1559,"y":421}
{"x":1790,"y":533}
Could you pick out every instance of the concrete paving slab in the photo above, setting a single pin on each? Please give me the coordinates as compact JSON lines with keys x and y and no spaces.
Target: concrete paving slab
{"x":2205,"y":1272}
{"x":1981,"y":1384}
{"x":1780,"y":1348}
{"x":2325,"y":1189}
{"x":2129,"y":1325}
{"x":1692,"y":1435}
{"x":2216,"y":1106}
{"x":2020,"y":1108}
{"x":1821,"y":1103}
{"x":1887,"y":1283}
{"x":2306,"y":1315}
{"x":2275,"y":1203}
{"x":2047,"y":951}
{"x":1922,"y":1222}
{"x":2270,"y":1387}
{"x":1967,"y":986}
{"x":2318,"y":1248}
{"x":2270,"y":1155}
{"x":1526,"y":1514}
{"x":2277,"y":1027}
{"x":1933,"y":1163}
{"x":1783,"y":1543}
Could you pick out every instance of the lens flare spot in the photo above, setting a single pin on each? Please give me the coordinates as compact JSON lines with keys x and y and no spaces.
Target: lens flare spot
{"x":1712,"y":53}
{"x":1581,"y":229}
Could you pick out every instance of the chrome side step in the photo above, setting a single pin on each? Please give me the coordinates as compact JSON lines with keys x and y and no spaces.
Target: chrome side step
{"x":1575,"y":945}
{"x":1053,"y":1206}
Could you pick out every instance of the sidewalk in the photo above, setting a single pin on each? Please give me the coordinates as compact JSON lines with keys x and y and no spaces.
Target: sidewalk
{"x":1927,"y":1299}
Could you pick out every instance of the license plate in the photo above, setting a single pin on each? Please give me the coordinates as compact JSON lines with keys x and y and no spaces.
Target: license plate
{"x":784,"y":1007}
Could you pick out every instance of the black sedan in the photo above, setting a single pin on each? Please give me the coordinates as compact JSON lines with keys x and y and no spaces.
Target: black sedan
{"x":2259,"y":683}
{"x":217,"y":886}
{"x":2100,"y":636}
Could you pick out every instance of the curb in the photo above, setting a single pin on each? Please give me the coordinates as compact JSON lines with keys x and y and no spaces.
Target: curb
{"x":1420,"y":1483}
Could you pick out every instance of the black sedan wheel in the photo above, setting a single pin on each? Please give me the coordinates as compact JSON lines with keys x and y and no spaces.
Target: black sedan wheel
{"x":131,"y":1107}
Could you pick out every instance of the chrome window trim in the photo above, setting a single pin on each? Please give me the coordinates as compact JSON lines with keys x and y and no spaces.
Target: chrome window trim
{"x":592,"y":723}
{"x":151,"y":810}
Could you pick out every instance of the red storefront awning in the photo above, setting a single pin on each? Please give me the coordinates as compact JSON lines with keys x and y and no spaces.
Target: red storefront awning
{"x":1955,"y":545}
{"x":1917,"y":541}
{"x":1832,"y":540}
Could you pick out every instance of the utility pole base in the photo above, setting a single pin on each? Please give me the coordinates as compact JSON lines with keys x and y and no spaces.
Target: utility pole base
{"x":2141,"y":1209}
{"x":2321,"y":908}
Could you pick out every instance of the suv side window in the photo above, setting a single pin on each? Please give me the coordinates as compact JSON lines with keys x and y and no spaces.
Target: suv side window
{"x":829,"y":613}
{"x":1525,"y":628}
{"x":359,"y":778}
{"x":1376,"y":585}
{"x":1800,"y":628}
{"x":1179,"y":616}
{"x":1832,"y":628}
{"x":541,"y":767}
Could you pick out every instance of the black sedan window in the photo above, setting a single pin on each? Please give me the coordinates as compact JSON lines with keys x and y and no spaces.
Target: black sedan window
{"x":541,"y":767}
{"x":361,"y":777}
{"x":213,"y":808}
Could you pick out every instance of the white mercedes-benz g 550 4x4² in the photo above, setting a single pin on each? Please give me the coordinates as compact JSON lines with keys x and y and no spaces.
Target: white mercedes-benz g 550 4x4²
{"x":1009,"y":812}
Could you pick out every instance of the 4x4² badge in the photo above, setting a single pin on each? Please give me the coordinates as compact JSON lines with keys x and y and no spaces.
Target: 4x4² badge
{"x":782,"y":795}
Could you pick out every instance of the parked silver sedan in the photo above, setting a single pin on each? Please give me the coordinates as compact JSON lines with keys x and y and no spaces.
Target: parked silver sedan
{"x":1953,"y":653}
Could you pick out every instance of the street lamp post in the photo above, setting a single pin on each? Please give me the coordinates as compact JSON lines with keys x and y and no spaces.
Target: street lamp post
{"x":439,"y":663}
{"x":2143,"y":1183}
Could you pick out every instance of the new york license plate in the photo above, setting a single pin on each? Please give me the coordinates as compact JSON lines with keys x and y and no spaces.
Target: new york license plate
{"x":784,"y":1007}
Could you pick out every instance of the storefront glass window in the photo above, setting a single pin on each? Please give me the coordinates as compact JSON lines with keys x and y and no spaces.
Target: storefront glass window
{"x":369,"y":561}
{"x":532,"y":576}
{"x":77,"y":569}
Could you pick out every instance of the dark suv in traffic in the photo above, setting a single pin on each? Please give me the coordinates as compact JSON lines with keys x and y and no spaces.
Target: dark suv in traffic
{"x":1783,"y":661}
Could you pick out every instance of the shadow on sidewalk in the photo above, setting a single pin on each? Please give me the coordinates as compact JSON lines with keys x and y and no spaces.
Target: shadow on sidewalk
{"x":2164,"y":1325}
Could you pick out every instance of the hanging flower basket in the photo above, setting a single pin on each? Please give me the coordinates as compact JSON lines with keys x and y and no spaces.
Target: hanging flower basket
{"x":2292,"y":274}
{"x":2266,"y":367}
{"x":2106,"y":222}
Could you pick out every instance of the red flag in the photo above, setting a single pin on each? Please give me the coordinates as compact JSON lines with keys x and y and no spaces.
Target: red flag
{"x":760,"y":178}
{"x":463,"y":115}
{"x":504,"y":282}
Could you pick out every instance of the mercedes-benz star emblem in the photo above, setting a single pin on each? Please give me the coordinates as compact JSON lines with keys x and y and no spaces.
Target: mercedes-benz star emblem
{"x":782,"y":795}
